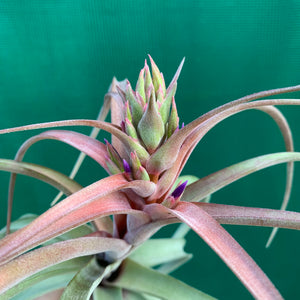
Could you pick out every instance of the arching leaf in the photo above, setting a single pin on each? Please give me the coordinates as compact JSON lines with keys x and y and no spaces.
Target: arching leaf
{"x":30,"y":263}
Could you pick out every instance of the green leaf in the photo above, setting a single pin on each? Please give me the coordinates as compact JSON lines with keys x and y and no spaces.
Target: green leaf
{"x":169,"y":267}
{"x":108,"y":293}
{"x":157,"y":76}
{"x":141,"y":279}
{"x":56,"y":179}
{"x":52,"y":177}
{"x":213,"y":182}
{"x":130,"y":295}
{"x":48,"y":280}
{"x":86,"y":280}
{"x":169,"y":249}
{"x":77,"y":232}
{"x":190,"y":178}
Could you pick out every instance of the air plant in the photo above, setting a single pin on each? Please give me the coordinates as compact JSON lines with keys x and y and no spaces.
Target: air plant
{"x":96,"y":242}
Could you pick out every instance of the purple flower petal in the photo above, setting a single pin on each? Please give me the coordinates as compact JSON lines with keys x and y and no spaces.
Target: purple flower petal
{"x":179,"y":190}
{"x":126,"y":166}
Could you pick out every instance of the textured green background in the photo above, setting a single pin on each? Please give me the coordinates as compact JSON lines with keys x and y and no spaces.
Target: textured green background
{"x":57,"y":59}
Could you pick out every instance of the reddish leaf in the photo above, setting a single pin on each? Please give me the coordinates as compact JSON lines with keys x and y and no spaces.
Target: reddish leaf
{"x":228,"y":249}
{"x":194,"y":131}
{"x":87,"y":204}
{"x":30,"y":263}
{"x":253,"y":216}
{"x":128,"y":142}
{"x":93,"y":148}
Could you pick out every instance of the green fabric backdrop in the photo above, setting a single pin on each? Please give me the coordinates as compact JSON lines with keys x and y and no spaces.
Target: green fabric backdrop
{"x":57,"y":59}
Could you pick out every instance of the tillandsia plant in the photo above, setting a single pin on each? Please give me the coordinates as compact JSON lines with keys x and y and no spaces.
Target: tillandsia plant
{"x":96,"y":242}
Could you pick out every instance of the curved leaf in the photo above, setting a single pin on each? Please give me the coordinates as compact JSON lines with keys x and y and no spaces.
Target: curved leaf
{"x":90,"y":146}
{"x":86,"y":280}
{"x":108,"y":293}
{"x":93,"y":148}
{"x":18,"y":224}
{"x":169,"y":249}
{"x":99,"y":199}
{"x":213,"y":182}
{"x":167,"y":179}
{"x":183,"y":229}
{"x":284,"y":127}
{"x":117,"y":111}
{"x":28,"y":218}
{"x":45,"y":281}
{"x":52,"y":177}
{"x":253,"y":216}
{"x":128,"y":142}
{"x":94,"y":133}
{"x":161,"y":160}
{"x":171,"y":266}
{"x":154,"y":283}
{"x":228,"y":249}
{"x":32,"y":262}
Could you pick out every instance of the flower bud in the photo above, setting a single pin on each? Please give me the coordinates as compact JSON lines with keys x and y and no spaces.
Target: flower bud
{"x":170,"y":202}
{"x":158,"y":80}
{"x":165,"y":106}
{"x":148,"y":81}
{"x":159,"y":97}
{"x":136,"y":107}
{"x":177,"y":193}
{"x":151,"y":128}
{"x":127,"y":170}
{"x":130,"y":130}
{"x":173,"y":120}
{"x":142,"y":174}
{"x":140,"y":85}
{"x":128,"y":112}
{"x":138,"y":171}
{"x":112,"y":167}
{"x":114,"y":155}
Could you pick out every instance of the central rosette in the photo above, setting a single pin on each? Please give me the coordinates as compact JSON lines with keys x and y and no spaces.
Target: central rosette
{"x":148,"y":115}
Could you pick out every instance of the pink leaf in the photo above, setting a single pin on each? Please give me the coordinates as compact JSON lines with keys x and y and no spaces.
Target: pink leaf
{"x":93,"y":148}
{"x":215,"y":181}
{"x":127,"y":141}
{"x":88,"y":145}
{"x":94,"y":201}
{"x":194,"y":131}
{"x":253,"y":216}
{"x":30,"y":263}
{"x":228,"y":249}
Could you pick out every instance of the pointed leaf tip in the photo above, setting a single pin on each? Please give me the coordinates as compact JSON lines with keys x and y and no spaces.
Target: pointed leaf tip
{"x":174,"y":80}
{"x":157,"y":78}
